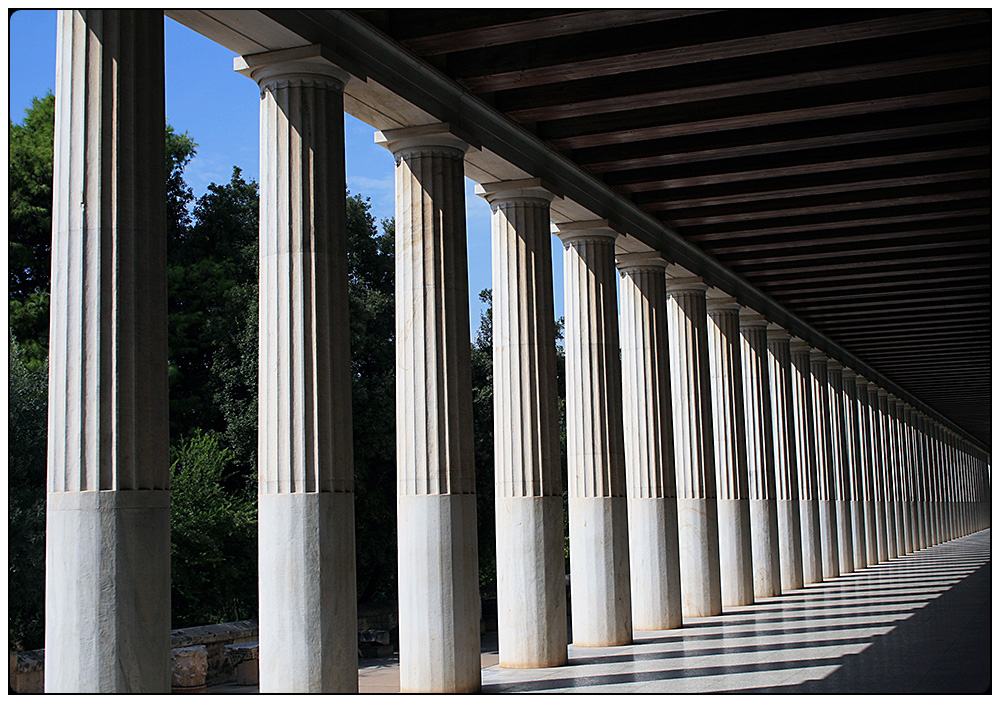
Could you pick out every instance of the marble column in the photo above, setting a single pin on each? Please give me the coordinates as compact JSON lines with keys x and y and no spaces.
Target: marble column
{"x":877,"y":453}
{"x":925,"y":481}
{"x":916,"y":467}
{"x":694,"y":459}
{"x":827,"y":465}
{"x":888,"y":470}
{"x":760,"y":456}
{"x":806,"y":461}
{"x":786,"y":475}
{"x":439,"y":606}
{"x":308,"y":593}
{"x":853,"y":431}
{"x":865,"y":443}
{"x":531,"y":562}
{"x":909,"y":514}
{"x":600,"y":589}
{"x":729,"y":427}
{"x":107,"y":546}
{"x":899,"y":483}
{"x":654,"y":560}
{"x":840,"y":465}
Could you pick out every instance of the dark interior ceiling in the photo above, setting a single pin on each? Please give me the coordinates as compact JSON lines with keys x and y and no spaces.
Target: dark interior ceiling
{"x":839,"y":160}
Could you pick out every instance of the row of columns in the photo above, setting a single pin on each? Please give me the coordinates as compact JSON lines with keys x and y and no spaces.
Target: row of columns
{"x":712,"y":459}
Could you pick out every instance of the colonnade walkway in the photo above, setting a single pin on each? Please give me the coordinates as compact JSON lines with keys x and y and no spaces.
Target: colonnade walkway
{"x":919,"y":623}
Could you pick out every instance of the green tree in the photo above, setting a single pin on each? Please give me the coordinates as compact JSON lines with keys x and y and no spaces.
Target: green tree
{"x":482,"y":434}
{"x":26,"y":435}
{"x":213,"y":534}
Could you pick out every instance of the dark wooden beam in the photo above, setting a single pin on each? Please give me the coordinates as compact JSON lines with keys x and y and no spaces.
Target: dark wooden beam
{"x":538,"y":28}
{"x":578,"y":134}
{"x":727,"y":49}
{"x":785,"y":243}
{"x":852,"y":206}
{"x":894,"y":314}
{"x":717,"y":91}
{"x":917,"y":286}
{"x":639,"y":184}
{"x":906,"y":303}
{"x":854,"y":276}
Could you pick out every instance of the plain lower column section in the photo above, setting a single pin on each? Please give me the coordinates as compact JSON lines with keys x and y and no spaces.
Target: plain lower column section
{"x":435,"y":471}
{"x":308,"y":595}
{"x":694,"y":461}
{"x":760,"y":456}
{"x":600,"y":590}
{"x":786,"y":476}
{"x":729,"y":425}
{"x":531,"y":562}
{"x":654,"y":562}
{"x":107,"y":547}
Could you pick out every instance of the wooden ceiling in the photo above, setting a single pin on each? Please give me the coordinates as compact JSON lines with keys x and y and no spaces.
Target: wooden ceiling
{"x":839,"y":160}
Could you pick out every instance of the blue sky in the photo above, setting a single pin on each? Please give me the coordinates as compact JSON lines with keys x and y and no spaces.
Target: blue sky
{"x":219,"y":109}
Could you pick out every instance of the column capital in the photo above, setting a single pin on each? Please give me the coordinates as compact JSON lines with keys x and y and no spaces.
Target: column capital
{"x":883,"y":393}
{"x":817,"y":355}
{"x":775,"y":332}
{"x":723,"y":303}
{"x":752,"y":318}
{"x":584,"y":229}
{"x":683,"y":284}
{"x":834,"y":365}
{"x":519,"y":190}
{"x":861,"y":381}
{"x":641,"y":261}
{"x":799,"y":345}
{"x":849,"y":374}
{"x":296,"y":66}
{"x":436,"y":138}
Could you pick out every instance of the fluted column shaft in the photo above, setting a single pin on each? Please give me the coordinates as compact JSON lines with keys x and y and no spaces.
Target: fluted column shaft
{"x":595,"y":445}
{"x":691,"y":388}
{"x":840,"y":465}
{"x":827,"y":465}
{"x":435,"y":488}
{"x":531,"y":564}
{"x":760,"y":456}
{"x":888,"y":458}
{"x":806,"y":462}
{"x":308,"y":593}
{"x":785,"y":471}
{"x":865,"y":443}
{"x":649,"y":445}
{"x":107,"y":576}
{"x":853,"y":431}
{"x":729,"y":425}
{"x":899,"y":483}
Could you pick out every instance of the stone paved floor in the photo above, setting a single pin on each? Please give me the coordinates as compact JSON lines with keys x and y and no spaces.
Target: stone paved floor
{"x":918,"y":624}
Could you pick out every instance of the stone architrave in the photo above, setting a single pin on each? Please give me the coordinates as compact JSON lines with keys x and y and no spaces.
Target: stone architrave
{"x":806,"y":461}
{"x":654,"y":561}
{"x":600,"y":590}
{"x":531,"y":562}
{"x":107,"y":547}
{"x":865,"y":443}
{"x":760,"y":456}
{"x":840,"y":464}
{"x":827,"y":465}
{"x":786,"y":475}
{"x":439,"y":606}
{"x":729,"y":427}
{"x":308,"y":629}
{"x":691,"y":389}
{"x":887,"y":461}
{"x":852,"y":431}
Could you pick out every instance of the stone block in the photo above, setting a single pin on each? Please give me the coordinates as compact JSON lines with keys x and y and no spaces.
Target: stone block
{"x":244,"y":660}
{"x":188,"y":668}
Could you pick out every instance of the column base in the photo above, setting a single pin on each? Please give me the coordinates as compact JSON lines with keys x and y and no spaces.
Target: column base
{"x":812,"y":546}
{"x":439,"y":606}
{"x":735,"y":556}
{"x":107,"y":592}
{"x":531,"y":582}
{"x":764,"y":545}
{"x":829,"y":538}
{"x":599,"y":572}
{"x":654,"y":563}
{"x":698,"y":542}
{"x":858,"y":538}
{"x":308,"y":594}
{"x":790,"y":544}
